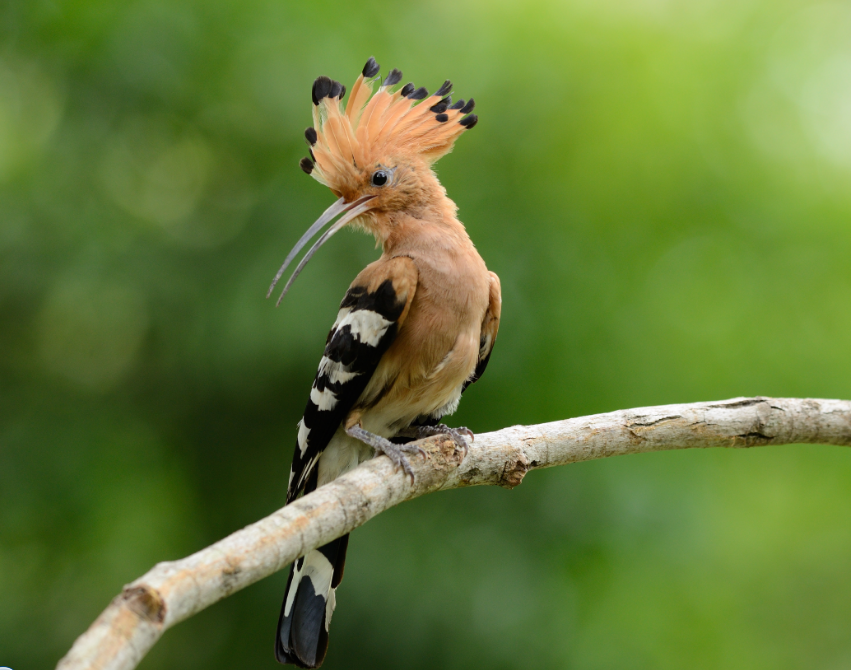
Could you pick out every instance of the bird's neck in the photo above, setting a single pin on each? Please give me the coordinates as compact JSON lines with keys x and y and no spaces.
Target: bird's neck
{"x":432,"y":228}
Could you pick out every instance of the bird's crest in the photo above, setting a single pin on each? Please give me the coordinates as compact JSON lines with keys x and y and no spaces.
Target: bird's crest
{"x":370,"y":128}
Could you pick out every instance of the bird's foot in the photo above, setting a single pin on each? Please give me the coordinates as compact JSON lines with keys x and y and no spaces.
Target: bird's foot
{"x":395,"y":452}
{"x":459,"y":435}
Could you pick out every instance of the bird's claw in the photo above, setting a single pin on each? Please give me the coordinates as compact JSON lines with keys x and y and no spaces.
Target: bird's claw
{"x":463,"y":432}
{"x":395,"y":452}
{"x":460,"y":436}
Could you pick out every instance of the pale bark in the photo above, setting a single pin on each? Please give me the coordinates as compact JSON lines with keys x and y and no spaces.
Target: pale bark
{"x":175,"y":590}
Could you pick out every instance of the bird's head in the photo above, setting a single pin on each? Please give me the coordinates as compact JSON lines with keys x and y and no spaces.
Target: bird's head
{"x":376,"y":152}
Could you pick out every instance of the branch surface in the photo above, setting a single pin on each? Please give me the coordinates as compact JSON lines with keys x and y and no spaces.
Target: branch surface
{"x":173,"y":591}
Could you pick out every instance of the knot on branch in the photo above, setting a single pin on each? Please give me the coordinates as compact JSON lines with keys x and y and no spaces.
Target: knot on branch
{"x":444,"y":452}
{"x":443,"y":456}
{"x":145,"y":602}
{"x":514,"y":471}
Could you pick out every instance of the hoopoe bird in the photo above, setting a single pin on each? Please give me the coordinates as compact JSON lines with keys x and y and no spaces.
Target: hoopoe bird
{"x":415,"y":328}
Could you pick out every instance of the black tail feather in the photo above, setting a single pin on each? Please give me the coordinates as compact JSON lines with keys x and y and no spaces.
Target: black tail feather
{"x":302,"y":638}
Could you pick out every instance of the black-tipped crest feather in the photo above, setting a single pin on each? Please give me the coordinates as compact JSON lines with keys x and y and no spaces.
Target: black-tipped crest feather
{"x":393,"y":77}
{"x":337,"y":89}
{"x":407,"y":89}
{"x":321,"y":88}
{"x":441,"y":106}
{"x":371,"y":68}
{"x":419,"y":94}
{"x":443,"y":90}
{"x":310,"y":135}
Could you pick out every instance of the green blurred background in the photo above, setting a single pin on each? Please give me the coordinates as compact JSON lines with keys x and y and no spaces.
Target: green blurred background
{"x":664,"y":187}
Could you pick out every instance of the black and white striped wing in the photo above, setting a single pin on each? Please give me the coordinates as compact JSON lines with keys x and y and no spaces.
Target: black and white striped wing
{"x":366,"y":326}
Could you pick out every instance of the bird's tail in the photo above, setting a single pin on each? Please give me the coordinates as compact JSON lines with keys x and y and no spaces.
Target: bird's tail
{"x":308,"y":605}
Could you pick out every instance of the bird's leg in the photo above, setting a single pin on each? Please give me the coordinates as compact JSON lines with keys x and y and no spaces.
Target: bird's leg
{"x":459,"y":435}
{"x":384,"y":446}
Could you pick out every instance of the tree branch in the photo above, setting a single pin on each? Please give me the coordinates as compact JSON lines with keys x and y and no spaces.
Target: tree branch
{"x":175,"y":590}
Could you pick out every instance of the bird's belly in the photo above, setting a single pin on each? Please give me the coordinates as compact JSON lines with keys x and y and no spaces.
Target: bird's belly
{"x":433,"y":393}
{"x":342,"y":454}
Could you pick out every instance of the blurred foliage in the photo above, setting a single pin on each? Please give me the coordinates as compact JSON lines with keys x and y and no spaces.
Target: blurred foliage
{"x":663,"y":187}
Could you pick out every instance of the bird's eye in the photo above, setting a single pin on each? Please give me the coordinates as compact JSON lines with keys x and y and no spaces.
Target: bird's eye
{"x":379,"y":178}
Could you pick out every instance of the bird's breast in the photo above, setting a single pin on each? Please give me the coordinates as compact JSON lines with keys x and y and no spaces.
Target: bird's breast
{"x":437,"y":348}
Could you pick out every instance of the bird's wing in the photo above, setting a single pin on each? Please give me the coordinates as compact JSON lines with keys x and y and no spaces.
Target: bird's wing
{"x":373,"y":310}
{"x":490,"y":327}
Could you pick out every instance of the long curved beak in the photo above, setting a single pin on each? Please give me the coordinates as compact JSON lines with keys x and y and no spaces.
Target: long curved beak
{"x":353,"y":210}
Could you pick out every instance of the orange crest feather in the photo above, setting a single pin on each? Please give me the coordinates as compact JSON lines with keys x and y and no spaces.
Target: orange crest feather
{"x":374,"y":128}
